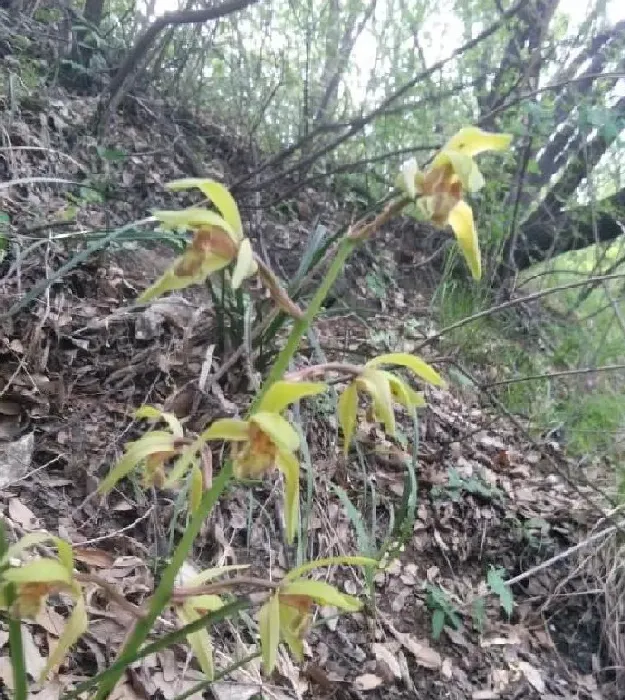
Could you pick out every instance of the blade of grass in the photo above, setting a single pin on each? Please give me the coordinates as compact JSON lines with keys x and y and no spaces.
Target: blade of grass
{"x":16,"y":648}
{"x":70,"y":265}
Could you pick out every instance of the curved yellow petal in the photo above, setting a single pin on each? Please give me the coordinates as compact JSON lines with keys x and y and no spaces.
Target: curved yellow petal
{"x":465,"y":168}
{"x":348,"y":413}
{"x":411,"y":362}
{"x":171,"y":281}
{"x":76,"y":626}
{"x":152,"y":413}
{"x":152,"y":443}
{"x":233,"y":429}
{"x":281,"y":432}
{"x":269,"y":629}
{"x":408,"y":177}
{"x":194,"y":218}
{"x":290,"y":623}
{"x":287,"y":463}
{"x":283,"y":393}
{"x":246,"y":265}
{"x":403,"y":393}
{"x":471,"y":140}
{"x":199,"y":641}
{"x":322,"y":593}
{"x":219,"y":196}
{"x":461,"y":221}
{"x":376,"y":384}
{"x":39,"y":571}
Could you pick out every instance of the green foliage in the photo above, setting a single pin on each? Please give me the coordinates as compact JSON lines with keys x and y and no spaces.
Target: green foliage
{"x":457,"y":485}
{"x":444,"y":611}
{"x":496,"y":583}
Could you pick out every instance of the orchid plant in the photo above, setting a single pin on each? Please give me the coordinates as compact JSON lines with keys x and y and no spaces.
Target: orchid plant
{"x":265,"y":440}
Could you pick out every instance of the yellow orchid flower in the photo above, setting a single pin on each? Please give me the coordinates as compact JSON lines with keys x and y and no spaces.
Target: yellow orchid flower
{"x":217,"y":240}
{"x":195,"y":606}
{"x":151,"y":452}
{"x":267,"y":440}
{"x":35,"y":580}
{"x":385,"y":388}
{"x":440,"y":188}
{"x":287,"y":614}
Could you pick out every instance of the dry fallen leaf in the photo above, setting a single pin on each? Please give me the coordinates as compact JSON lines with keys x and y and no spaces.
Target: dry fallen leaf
{"x":533,"y":676}
{"x":35,"y":663}
{"x":384,"y":655}
{"x":423,"y":653}
{"x":22,"y":515}
{"x":94,"y":556}
{"x":368,"y":681}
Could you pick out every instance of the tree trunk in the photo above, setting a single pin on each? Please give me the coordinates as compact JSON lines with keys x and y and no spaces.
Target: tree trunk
{"x":575,"y":229}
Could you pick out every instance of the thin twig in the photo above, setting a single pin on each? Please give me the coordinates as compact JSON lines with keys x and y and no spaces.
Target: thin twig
{"x":552,"y":375}
{"x":515,"y":302}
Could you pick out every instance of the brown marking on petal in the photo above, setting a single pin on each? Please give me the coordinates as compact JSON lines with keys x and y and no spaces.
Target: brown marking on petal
{"x":31,"y":595}
{"x":189,"y":265}
{"x":214,"y":240}
{"x":303,"y":603}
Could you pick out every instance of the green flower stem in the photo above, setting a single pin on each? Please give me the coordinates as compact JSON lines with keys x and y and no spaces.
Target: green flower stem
{"x":359,"y":232}
{"x":161,"y":596}
{"x":16,"y":649}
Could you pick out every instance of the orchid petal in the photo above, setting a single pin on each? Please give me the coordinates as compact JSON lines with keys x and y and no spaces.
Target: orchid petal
{"x":279,"y":429}
{"x":219,"y":196}
{"x":282,"y":393}
{"x":471,"y":140}
{"x":461,"y":221}
{"x":233,"y":429}
{"x":246,"y":266}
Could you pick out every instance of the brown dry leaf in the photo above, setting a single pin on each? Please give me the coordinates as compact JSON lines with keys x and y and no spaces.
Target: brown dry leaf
{"x":423,"y":653}
{"x":6,"y":672}
{"x":244,"y":691}
{"x":170,"y":689}
{"x":35,"y":663}
{"x":94,"y":557}
{"x":387,"y":657}
{"x":22,"y":515}
{"x":368,"y":681}
{"x":50,"y":620}
{"x":533,"y":676}
{"x":15,"y":458}
{"x":51,"y":691}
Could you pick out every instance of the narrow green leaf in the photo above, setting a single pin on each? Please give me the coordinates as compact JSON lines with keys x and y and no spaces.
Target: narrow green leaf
{"x":289,"y":466}
{"x":438,"y":623}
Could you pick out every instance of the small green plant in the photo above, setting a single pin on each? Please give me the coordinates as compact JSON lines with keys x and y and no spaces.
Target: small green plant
{"x":457,"y":485}
{"x":264,"y":441}
{"x":496,"y":582}
{"x":443,"y":610}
